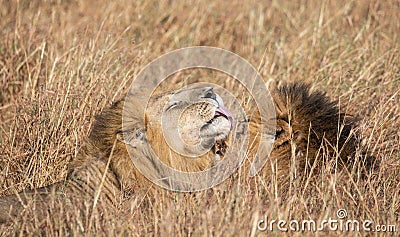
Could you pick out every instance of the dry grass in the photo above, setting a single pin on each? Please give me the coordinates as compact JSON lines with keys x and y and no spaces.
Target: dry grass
{"x":62,"y":62}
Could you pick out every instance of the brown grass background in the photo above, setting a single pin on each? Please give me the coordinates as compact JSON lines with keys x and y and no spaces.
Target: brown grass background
{"x":62,"y":62}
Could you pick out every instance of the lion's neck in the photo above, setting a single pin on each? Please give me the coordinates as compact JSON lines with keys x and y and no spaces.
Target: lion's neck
{"x":173,"y":159}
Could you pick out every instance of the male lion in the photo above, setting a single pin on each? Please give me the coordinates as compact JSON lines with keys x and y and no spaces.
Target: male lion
{"x":307,"y":123}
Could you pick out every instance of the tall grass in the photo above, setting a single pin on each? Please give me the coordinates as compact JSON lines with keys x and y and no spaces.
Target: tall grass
{"x":62,"y":62}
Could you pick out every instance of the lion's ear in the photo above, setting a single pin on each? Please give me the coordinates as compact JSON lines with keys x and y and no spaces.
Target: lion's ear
{"x":132,"y":137}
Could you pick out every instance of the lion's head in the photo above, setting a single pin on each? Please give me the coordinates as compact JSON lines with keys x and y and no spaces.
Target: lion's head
{"x":192,"y":121}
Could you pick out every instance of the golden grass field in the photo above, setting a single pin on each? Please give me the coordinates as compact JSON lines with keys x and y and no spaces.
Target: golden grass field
{"x":62,"y":62}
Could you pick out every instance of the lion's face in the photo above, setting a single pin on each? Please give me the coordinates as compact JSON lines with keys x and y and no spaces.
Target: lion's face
{"x":194,"y":120}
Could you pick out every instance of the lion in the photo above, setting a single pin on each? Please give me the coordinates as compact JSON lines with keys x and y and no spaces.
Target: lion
{"x":307,"y":122}
{"x":310,"y":125}
{"x":103,"y":162}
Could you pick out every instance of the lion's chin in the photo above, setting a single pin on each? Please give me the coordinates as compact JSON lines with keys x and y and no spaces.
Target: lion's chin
{"x":218,"y":128}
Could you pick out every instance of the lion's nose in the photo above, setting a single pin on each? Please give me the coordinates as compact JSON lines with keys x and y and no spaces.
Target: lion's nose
{"x":209,"y":93}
